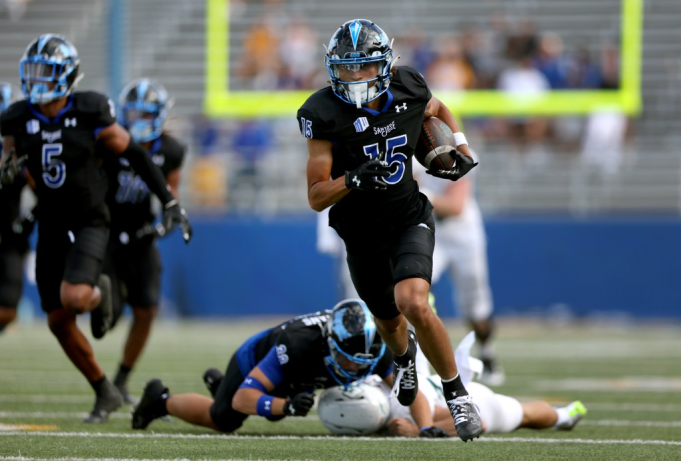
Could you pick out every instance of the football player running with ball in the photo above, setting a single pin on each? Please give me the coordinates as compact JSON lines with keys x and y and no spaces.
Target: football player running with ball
{"x":57,"y":131}
{"x":133,"y":262}
{"x":361,"y":133}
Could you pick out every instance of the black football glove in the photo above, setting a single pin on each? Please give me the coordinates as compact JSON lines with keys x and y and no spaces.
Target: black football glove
{"x":368,"y":176}
{"x":174,"y":215}
{"x":433,"y":432}
{"x":299,"y":405}
{"x":11,"y":169}
{"x":462,"y":165}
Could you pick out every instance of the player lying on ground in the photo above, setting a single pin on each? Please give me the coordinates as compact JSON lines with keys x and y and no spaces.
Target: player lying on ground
{"x":275,"y":372}
{"x":429,"y":416}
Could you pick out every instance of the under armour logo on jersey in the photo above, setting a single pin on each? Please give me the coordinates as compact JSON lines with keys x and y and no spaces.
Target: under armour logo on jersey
{"x":356,"y":180}
{"x":32,"y":126}
{"x":158,"y":160}
{"x":72,"y":122}
{"x":361,"y":124}
{"x":402,"y":107}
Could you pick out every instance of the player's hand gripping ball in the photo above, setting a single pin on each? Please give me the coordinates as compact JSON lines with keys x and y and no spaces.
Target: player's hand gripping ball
{"x":436,"y":150}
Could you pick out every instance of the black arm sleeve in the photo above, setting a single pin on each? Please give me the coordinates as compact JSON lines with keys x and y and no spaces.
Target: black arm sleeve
{"x":141,"y":162}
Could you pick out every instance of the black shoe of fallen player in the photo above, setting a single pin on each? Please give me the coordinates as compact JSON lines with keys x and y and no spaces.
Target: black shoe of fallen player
{"x":151,"y":405}
{"x":406,"y":384}
{"x":212,"y":378}
{"x":107,"y":401}
{"x":101,"y":318}
{"x":466,"y":416}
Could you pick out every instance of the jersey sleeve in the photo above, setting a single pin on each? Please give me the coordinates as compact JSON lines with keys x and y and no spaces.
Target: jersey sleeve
{"x":174,"y":152}
{"x":100,"y":110}
{"x":413,"y":79}
{"x":9,"y":119}
{"x":313,"y":126}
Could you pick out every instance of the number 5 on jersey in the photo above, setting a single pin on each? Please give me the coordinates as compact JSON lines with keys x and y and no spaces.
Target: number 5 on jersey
{"x":391,"y":157}
{"x":54,"y":170}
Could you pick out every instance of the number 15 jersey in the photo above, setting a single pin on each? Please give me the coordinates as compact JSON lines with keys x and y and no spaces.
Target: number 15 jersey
{"x":359,"y":135}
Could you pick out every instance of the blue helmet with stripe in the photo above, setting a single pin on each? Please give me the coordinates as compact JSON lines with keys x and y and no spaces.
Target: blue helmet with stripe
{"x":8,"y":94}
{"x":49,"y":69}
{"x":355,"y":347}
{"x":356,"y":45}
{"x":143,"y":108}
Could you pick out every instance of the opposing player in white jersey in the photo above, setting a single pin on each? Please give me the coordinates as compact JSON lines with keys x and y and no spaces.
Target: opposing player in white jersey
{"x":429,"y":416}
{"x":461,"y":251}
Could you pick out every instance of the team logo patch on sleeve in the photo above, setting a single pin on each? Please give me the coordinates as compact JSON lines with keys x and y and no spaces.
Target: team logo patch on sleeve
{"x":32,"y":126}
{"x":361,"y":124}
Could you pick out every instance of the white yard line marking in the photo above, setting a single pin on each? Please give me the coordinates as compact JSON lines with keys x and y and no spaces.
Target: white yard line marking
{"x":123,"y":415}
{"x":46,"y":398}
{"x":647,"y":407}
{"x":333,"y":438}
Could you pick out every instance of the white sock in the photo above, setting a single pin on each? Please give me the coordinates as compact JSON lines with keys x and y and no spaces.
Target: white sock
{"x":563,"y":416}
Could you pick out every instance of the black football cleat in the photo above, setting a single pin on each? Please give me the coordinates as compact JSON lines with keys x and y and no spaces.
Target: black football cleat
{"x":152,"y":404}
{"x":107,"y":401}
{"x":406,"y":384}
{"x":466,"y":417}
{"x":212,"y":378}
{"x":101,"y":318}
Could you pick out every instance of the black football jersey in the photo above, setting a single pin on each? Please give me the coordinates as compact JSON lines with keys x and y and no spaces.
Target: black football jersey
{"x":301,"y":348}
{"x":359,"y":135}
{"x":62,"y":159}
{"x":129,"y":198}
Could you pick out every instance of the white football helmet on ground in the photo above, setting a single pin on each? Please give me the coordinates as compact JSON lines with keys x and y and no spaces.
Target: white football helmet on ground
{"x":360,"y":410}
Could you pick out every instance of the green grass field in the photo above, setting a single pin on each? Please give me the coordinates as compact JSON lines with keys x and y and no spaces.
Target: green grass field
{"x":628,"y":377}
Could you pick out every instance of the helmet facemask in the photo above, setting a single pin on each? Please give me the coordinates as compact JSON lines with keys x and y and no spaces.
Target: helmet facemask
{"x":144,"y":106}
{"x":351,"y":337}
{"x":49,"y":69}
{"x":355,"y":45}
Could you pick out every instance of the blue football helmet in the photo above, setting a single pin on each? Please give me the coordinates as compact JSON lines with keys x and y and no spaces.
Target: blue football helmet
{"x":49,"y":69}
{"x":355,"y":44}
{"x":143,"y":108}
{"x":351,"y":336}
{"x":8,"y":94}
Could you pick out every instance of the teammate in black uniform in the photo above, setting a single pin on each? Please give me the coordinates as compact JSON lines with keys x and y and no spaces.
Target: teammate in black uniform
{"x":275,"y":372}
{"x":14,"y":231}
{"x":133,"y":262}
{"x":361,"y":132}
{"x":57,"y":130}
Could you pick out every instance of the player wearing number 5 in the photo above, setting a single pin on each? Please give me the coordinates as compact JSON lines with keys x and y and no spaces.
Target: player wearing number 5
{"x":56,"y":130}
{"x":361,"y":133}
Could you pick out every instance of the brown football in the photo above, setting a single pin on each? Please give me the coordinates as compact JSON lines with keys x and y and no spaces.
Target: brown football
{"x":435,"y":142}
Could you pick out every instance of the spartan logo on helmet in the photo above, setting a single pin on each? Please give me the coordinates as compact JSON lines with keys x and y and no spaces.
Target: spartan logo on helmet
{"x":49,"y":69}
{"x":356,"y":44}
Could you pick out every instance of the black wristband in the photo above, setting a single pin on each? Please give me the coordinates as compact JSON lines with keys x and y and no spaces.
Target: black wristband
{"x":141,"y":162}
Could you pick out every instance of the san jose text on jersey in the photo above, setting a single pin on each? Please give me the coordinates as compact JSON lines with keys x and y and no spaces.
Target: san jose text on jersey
{"x":62,"y":158}
{"x":359,"y":135}
{"x":129,"y":198}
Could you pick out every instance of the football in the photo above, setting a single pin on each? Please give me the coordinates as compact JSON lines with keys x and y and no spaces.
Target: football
{"x":435,"y":142}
